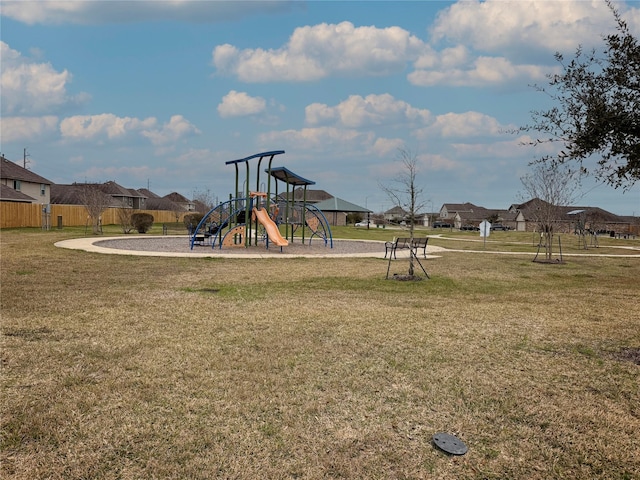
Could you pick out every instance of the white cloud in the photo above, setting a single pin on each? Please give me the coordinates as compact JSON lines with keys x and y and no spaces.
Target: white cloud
{"x":198,"y":157}
{"x":238,"y":104}
{"x":315,"y":52}
{"x":30,"y":88}
{"x":464,"y":125}
{"x":427,"y":165}
{"x":359,"y":111}
{"x":99,"y":12}
{"x":384,"y":147}
{"x":523,"y":33}
{"x":483,"y":71}
{"x":436,"y":162}
{"x":106,"y":125}
{"x":319,"y":139}
{"x":508,"y":151}
{"x":15,"y":129}
{"x":522,"y":26}
{"x":177,"y":128}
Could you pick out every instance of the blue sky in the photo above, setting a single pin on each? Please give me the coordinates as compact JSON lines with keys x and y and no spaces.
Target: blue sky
{"x":162,"y":94}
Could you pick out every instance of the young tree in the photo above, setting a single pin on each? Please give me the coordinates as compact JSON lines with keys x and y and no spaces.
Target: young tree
{"x":124,"y":217}
{"x":597,"y":115}
{"x":405,"y":193}
{"x":551,"y":185}
{"x":178,"y":211}
{"x":95,"y":201}
{"x":204,"y":199}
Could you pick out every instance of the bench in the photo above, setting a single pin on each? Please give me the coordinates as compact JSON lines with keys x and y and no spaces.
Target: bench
{"x":390,"y":248}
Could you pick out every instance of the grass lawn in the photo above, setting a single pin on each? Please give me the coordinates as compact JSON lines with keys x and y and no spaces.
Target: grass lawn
{"x":122,"y":367}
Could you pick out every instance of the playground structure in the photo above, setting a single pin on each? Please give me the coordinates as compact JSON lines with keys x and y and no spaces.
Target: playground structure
{"x":255,"y":216}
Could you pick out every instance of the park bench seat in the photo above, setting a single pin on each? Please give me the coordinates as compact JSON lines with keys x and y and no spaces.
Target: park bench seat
{"x":390,"y":248}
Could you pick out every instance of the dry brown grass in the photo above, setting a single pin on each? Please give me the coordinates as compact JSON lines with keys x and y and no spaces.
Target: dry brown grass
{"x":131,"y":367}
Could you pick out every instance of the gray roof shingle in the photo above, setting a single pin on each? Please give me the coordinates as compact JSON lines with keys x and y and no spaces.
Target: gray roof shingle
{"x":12,"y":171}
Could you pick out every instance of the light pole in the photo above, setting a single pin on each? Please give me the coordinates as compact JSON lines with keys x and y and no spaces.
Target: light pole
{"x":366,"y":199}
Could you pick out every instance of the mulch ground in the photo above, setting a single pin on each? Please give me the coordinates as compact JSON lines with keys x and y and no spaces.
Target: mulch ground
{"x":182,"y":245}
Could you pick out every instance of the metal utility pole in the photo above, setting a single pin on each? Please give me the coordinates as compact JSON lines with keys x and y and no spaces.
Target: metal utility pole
{"x":24,"y":158}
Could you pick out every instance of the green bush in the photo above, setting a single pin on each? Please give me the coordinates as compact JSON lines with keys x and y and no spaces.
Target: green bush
{"x":142,"y":222}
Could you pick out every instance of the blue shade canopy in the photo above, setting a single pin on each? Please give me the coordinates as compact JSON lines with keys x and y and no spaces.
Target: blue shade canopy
{"x":286,"y":175}
{"x":257,"y":155}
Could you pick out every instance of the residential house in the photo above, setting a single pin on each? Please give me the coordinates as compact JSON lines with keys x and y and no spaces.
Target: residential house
{"x":336,"y":210}
{"x":156,"y":202}
{"x":395,"y":214}
{"x":26,"y":185}
{"x":188,"y":205}
{"x":63,"y":194}
{"x":569,"y":218}
{"x":8,"y":194}
{"x":463,"y":214}
{"x":333,"y":208}
{"x":124,"y":197}
{"x":115,"y":195}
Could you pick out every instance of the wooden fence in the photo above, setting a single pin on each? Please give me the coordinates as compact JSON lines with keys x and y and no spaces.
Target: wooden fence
{"x":14,"y":214}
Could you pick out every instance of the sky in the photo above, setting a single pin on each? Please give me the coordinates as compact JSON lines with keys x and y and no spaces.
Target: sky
{"x":160,"y":94}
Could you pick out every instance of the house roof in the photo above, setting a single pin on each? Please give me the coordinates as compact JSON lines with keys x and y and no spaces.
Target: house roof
{"x":528,"y":210}
{"x":115,"y":190}
{"x":71,"y":195}
{"x":13,"y":171}
{"x":312,"y":196}
{"x":336,"y":204}
{"x":148,"y":193}
{"x":461,"y":207}
{"x":161,"y":203}
{"x":200,"y":206}
{"x":177,"y":198}
{"x":156,"y":202}
{"x":481,"y":213}
{"x":397,"y":210}
{"x":8,"y":194}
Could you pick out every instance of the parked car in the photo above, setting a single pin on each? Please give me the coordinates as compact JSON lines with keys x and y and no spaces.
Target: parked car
{"x":441,"y":225}
{"x":470,"y":228}
{"x":499,"y":226}
{"x":364,"y":223}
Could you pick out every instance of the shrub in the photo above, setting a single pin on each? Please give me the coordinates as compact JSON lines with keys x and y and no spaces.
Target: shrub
{"x":142,"y":222}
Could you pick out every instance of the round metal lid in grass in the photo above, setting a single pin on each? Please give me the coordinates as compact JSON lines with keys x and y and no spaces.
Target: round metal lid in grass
{"x":449,"y":443}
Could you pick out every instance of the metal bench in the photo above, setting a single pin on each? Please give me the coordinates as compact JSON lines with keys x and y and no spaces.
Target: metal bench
{"x":390,"y":248}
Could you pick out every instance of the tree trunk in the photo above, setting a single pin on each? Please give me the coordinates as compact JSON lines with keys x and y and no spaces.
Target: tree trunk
{"x":411,"y":262}
{"x":548,"y":245}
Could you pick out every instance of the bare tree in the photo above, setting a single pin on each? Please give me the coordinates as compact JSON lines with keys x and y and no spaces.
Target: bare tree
{"x":95,"y":201}
{"x":404,"y":192}
{"x":204,"y":199}
{"x":552,"y":186}
{"x":178,"y":211}
{"x":124,"y":217}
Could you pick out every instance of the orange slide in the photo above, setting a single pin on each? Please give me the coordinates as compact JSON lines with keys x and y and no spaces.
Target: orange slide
{"x":271,"y":228}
